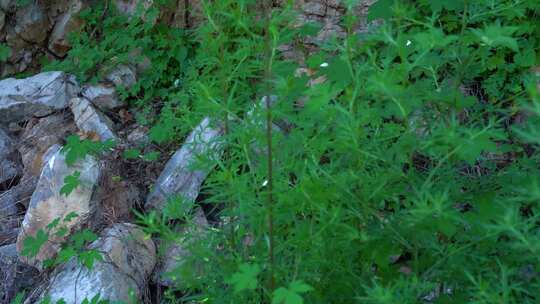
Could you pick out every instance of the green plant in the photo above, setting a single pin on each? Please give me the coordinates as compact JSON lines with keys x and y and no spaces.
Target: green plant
{"x":5,"y":52}
{"x":405,"y":176}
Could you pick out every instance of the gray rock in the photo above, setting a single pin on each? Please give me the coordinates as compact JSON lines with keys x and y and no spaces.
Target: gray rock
{"x":122,"y":75}
{"x":138,"y":136}
{"x":32,"y":23}
{"x":8,"y":235}
{"x":14,"y":276}
{"x":8,"y":6}
{"x":39,"y":135}
{"x":66,"y":24}
{"x":102,"y":96}
{"x":181,"y":176}
{"x":17,"y":198}
{"x":10,"y":166}
{"x":47,"y":204}
{"x":130,"y":7}
{"x":39,"y":95}
{"x":91,"y":120}
{"x":176,"y":253}
{"x":128,"y":260}
{"x":2,"y":20}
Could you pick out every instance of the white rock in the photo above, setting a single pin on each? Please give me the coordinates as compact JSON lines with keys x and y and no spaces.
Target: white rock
{"x":122,"y":75}
{"x":180,"y":177}
{"x":47,"y":204}
{"x":39,"y":95}
{"x":102,"y":96}
{"x":128,"y":260}
{"x":89,"y":119}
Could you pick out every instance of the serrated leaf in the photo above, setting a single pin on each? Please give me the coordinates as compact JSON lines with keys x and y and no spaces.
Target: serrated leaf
{"x":71,"y":182}
{"x":63,"y":231}
{"x":53,"y":224}
{"x":65,"y":254}
{"x":89,"y":257}
{"x":382,"y":9}
{"x":292,"y":294}
{"x":5,"y":52}
{"x":338,"y":72}
{"x":495,"y":35}
{"x":131,"y":153}
{"x":81,"y":237}
{"x":19,"y":298}
{"x":245,"y":278}
{"x":450,"y":5}
{"x":70,"y":216}
{"x":32,"y":244}
{"x":151,"y":156}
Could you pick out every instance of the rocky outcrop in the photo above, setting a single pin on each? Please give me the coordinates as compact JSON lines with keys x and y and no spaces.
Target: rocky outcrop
{"x":128,"y":260}
{"x":91,"y":120}
{"x":131,"y":7}
{"x":14,"y":276}
{"x":328,"y":14}
{"x":41,"y":134}
{"x":182,"y":175}
{"x":10,"y":164}
{"x":48,"y":204}
{"x":67,"y":23}
{"x":26,"y":28}
{"x":122,"y":76}
{"x":103,"y":96}
{"x":32,"y":22}
{"x":39,"y":95}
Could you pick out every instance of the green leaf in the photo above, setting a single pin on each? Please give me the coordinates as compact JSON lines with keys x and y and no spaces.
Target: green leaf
{"x":89,"y":257}
{"x":292,"y":294}
{"x":338,"y":72}
{"x":310,"y":29}
{"x":70,"y":216}
{"x":32,"y":244}
{"x":5,"y":52}
{"x":63,"y":231}
{"x":70,"y":183}
{"x":151,"y":156}
{"x":76,"y":149}
{"x":245,"y":278}
{"x":81,"y":237}
{"x":495,"y":35}
{"x":65,"y":254}
{"x":53,"y":224}
{"x":19,"y":298}
{"x":382,"y":9}
{"x":526,"y":59}
{"x":131,"y":153}
{"x":450,"y":5}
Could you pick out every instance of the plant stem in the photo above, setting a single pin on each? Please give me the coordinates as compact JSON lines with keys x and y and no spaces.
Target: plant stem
{"x":267,"y":88}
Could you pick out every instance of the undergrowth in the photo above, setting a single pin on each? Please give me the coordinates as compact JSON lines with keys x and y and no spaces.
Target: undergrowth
{"x":409,"y":175}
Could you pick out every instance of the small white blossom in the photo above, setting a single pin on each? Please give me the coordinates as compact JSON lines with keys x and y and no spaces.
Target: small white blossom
{"x":265,"y":183}
{"x":324,"y":64}
{"x":408,"y":43}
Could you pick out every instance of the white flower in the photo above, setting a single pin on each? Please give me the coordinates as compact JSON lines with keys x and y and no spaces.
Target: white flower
{"x":265,"y":183}
{"x":408,"y":43}
{"x":324,"y":65}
